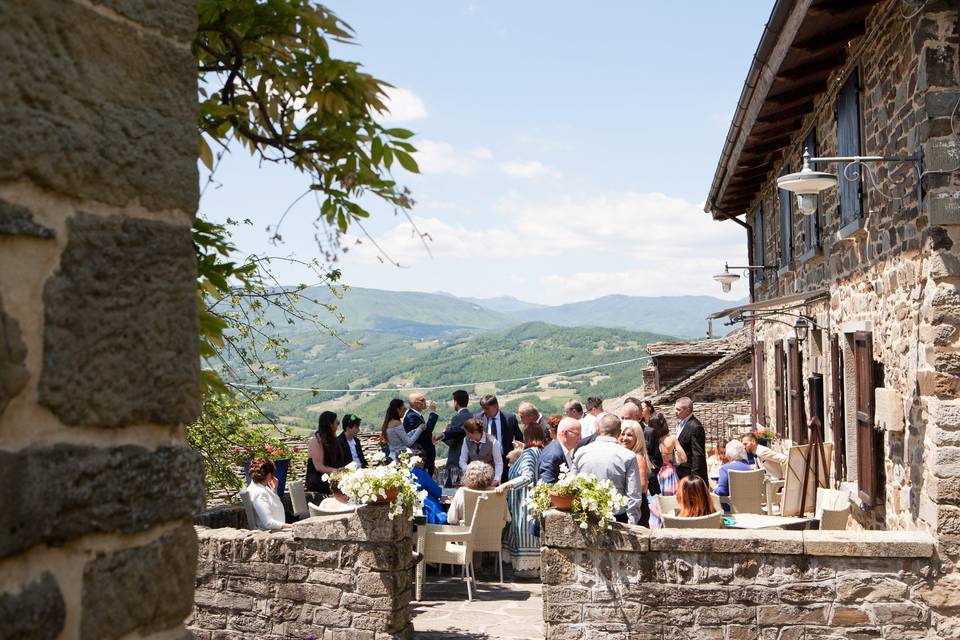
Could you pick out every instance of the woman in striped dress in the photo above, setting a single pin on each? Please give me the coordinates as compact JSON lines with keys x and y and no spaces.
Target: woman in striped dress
{"x":524,"y":548}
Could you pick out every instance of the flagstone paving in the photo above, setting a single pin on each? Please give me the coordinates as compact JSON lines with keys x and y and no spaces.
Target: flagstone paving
{"x":508,"y":610}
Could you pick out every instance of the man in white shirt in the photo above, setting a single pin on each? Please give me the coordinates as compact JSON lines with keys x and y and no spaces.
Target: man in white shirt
{"x":607,"y":459}
{"x":589,"y":420}
{"x":478,"y":446}
{"x":764,"y":457}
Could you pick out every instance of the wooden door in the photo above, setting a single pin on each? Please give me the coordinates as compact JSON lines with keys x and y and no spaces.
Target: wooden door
{"x":867,"y":470}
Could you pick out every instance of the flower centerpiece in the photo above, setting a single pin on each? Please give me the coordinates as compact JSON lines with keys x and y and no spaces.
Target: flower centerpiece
{"x":380,"y":483}
{"x":591,"y":500}
{"x":765,"y":437}
{"x":259,"y":442}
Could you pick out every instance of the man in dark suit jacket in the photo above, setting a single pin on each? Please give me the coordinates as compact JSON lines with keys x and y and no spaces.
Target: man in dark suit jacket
{"x":453,"y":435}
{"x":560,"y":451}
{"x":693,"y":439}
{"x":500,"y":425}
{"x":349,"y":443}
{"x":414,"y":418}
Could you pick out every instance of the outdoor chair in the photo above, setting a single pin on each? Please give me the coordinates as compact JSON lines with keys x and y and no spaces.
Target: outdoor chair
{"x":833,"y":509}
{"x":491,"y":510}
{"x":712,"y":521}
{"x":772,"y":489}
{"x":450,"y":544}
{"x":248,"y":509}
{"x":746,"y":491}
{"x":298,"y":498}
{"x":319,"y":510}
{"x":668,"y":505}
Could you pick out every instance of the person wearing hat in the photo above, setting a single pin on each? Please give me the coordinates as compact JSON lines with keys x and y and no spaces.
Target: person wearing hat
{"x":349,"y":443}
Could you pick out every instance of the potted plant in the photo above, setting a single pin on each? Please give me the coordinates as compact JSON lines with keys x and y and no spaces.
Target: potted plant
{"x":590,"y":500}
{"x":765,"y":437}
{"x":382,"y":483}
{"x":258,"y":442}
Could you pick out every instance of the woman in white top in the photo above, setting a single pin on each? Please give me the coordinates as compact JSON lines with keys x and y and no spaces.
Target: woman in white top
{"x":267,"y":507}
{"x":393,"y":433}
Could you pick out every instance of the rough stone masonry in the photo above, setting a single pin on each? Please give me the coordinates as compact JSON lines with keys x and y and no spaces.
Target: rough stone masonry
{"x":99,"y":367}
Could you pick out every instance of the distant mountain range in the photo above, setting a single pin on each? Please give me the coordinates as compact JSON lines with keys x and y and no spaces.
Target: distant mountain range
{"x":432,"y":314}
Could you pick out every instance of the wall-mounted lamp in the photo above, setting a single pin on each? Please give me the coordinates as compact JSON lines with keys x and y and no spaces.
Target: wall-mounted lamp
{"x":801,"y":326}
{"x":726,"y":278}
{"x":808,"y":184}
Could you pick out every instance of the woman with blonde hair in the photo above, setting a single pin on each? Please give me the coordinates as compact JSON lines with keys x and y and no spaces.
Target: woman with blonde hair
{"x":631,"y":437}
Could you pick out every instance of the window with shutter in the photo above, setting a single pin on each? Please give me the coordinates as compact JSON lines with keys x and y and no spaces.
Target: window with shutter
{"x":786,"y":223}
{"x":798,"y":431}
{"x":848,"y":144}
{"x":837,"y":409}
{"x":758,"y":241}
{"x":811,"y":224}
{"x":779,"y":390}
{"x":868,"y":469}
{"x":759,"y":385}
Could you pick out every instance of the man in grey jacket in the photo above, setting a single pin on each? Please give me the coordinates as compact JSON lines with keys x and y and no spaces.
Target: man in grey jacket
{"x":607,"y":459}
{"x":453,"y":436}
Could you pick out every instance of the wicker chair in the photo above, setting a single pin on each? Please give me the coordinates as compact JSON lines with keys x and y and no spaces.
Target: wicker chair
{"x":491,"y":509}
{"x":711,"y":521}
{"x":746,"y":491}
{"x":449,"y":544}
{"x":833,"y":509}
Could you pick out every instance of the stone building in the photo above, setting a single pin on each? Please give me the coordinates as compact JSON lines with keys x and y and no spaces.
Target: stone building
{"x":99,"y":347}
{"x":855,"y":308}
{"x":714,"y":373}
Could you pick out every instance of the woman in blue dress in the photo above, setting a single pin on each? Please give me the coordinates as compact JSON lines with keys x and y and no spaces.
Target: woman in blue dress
{"x":522,"y":546}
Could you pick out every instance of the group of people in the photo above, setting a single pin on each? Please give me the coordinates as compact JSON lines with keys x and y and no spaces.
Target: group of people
{"x":495,"y":450}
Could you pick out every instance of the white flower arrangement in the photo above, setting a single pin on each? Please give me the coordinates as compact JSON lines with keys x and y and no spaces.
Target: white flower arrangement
{"x":595,"y":501}
{"x":392,"y":483}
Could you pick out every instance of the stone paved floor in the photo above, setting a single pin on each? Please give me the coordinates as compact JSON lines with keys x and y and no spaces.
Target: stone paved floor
{"x":508,"y":610}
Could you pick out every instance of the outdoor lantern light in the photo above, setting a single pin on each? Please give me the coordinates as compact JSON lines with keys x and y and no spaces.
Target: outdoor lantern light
{"x":801,"y":327}
{"x":807,"y":184}
{"x":726,"y":279}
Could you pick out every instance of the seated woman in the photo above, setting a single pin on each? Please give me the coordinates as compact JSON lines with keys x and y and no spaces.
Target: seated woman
{"x":693,"y":498}
{"x":738,"y":462}
{"x":324,"y":454}
{"x":267,"y":508}
{"x":393,"y":433}
{"x":479,"y":477}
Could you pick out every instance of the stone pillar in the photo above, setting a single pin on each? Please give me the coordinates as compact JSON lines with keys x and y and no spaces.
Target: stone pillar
{"x":345,"y":577}
{"x":99,"y":367}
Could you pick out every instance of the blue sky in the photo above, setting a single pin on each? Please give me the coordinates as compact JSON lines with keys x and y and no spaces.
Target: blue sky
{"x":566,"y":149}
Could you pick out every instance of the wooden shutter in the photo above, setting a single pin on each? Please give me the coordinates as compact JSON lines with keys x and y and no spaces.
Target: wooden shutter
{"x":779,"y":390}
{"x":758,"y":248}
{"x":867,"y":468}
{"x":786,"y":223}
{"x":759,"y":384}
{"x":811,"y":224}
{"x":837,"y":409}
{"x":848,"y":144}
{"x":798,"y":430}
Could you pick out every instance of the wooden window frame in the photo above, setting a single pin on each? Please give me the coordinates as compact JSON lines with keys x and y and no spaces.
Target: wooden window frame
{"x":759,"y":384}
{"x":837,"y":409}
{"x":759,"y":250}
{"x":798,"y":430}
{"x":785,"y":212}
{"x":868,"y":467}
{"x":779,"y":388}
{"x":849,"y":192}
{"x":811,"y":223}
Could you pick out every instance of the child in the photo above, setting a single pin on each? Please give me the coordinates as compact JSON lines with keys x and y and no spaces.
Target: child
{"x":672,"y":454}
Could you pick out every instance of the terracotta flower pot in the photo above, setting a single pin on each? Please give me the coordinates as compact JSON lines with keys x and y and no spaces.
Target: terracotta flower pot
{"x":391,"y":496}
{"x":561,"y":502}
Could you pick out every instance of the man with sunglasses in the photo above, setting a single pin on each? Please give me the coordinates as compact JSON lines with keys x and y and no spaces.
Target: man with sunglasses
{"x":349,"y":443}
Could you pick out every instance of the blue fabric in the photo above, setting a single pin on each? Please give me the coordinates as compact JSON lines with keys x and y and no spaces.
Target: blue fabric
{"x":550,"y":460}
{"x":432,"y":508}
{"x":723,"y":485}
{"x":752,"y":459}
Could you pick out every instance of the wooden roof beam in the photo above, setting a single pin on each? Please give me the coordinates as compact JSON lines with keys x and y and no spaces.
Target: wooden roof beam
{"x":792,"y":112}
{"x":834,"y":8}
{"x":771,"y":144}
{"x":814,"y":67}
{"x":800,"y":92}
{"x":832,"y":39}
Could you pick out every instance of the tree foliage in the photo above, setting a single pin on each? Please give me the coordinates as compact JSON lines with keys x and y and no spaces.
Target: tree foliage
{"x":269,"y":84}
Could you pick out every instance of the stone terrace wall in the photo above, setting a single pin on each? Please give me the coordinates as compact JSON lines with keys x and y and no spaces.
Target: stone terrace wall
{"x":722,"y":585}
{"x":99,"y":347}
{"x":334,"y":577}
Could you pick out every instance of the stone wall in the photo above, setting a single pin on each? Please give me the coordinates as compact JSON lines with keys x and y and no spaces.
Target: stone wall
{"x":727,"y":385}
{"x":99,"y":364}
{"x":720,"y":585}
{"x":342,"y":577}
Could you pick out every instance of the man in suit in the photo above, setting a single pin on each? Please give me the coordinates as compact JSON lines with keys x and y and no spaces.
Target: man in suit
{"x":453,"y":435}
{"x":607,"y":459}
{"x":414,"y":418}
{"x":560,"y":451}
{"x":349,"y":444}
{"x":501,"y":426}
{"x":693,"y":439}
{"x":529,"y":414}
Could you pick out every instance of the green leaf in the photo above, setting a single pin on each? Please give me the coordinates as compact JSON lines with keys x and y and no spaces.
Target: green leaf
{"x":403,"y":134}
{"x":206,"y":155}
{"x":406,"y":161}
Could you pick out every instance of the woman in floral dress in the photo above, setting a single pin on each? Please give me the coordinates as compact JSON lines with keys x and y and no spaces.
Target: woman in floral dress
{"x":523,"y":547}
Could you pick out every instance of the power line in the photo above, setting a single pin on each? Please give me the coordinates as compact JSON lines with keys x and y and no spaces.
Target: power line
{"x":440,"y":386}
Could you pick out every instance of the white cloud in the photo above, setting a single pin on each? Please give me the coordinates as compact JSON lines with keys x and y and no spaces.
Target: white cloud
{"x":438,"y":157}
{"x":527,"y":169}
{"x":481,"y":153}
{"x":404,"y":106}
{"x":404,"y":245}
